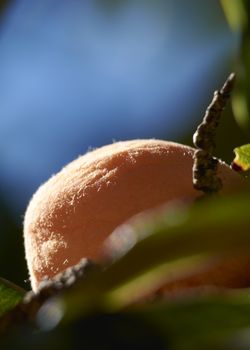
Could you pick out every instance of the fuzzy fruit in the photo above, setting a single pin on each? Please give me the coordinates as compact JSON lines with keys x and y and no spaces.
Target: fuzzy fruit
{"x":71,"y":215}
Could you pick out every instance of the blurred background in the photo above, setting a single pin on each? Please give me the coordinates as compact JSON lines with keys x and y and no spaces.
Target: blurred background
{"x":76,"y":75}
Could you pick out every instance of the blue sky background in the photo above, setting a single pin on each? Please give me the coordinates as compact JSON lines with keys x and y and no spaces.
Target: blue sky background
{"x":79,"y":74}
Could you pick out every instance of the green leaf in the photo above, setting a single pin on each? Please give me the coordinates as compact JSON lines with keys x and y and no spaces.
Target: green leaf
{"x":10,"y":295}
{"x":203,"y":322}
{"x":242,"y":160}
{"x":240,"y":106}
{"x":169,"y":242}
{"x":156,"y":246}
{"x":235,"y":13}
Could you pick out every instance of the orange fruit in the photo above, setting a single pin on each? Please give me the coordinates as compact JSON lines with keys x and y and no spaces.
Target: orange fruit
{"x":71,"y":215}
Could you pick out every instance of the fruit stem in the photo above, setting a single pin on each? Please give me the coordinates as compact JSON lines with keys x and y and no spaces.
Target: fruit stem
{"x":205,"y":165}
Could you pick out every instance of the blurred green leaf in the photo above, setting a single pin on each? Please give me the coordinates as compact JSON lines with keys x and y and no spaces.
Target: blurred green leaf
{"x":205,"y":322}
{"x":145,"y":251}
{"x":10,"y":295}
{"x":240,"y":106}
{"x":215,"y":321}
{"x":242,"y":159}
{"x":235,"y":13}
{"x":157,"y":244}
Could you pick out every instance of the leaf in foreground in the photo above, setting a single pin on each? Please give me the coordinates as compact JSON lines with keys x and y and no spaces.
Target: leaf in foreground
{"x":204,"y":322}
{"x":241,"y":161}
{"x":157,"y":245}
{"x":170,"y":241}
{"x":10,"y":295}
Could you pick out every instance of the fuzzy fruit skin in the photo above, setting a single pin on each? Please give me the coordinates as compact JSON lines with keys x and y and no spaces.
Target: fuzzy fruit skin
{"x":71,"y":215}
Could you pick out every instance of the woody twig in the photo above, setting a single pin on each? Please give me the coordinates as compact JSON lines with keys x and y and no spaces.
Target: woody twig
{"x":205,"y":165}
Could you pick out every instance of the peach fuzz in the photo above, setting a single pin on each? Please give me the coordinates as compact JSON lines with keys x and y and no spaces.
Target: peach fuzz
{"x":71,"y":215}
